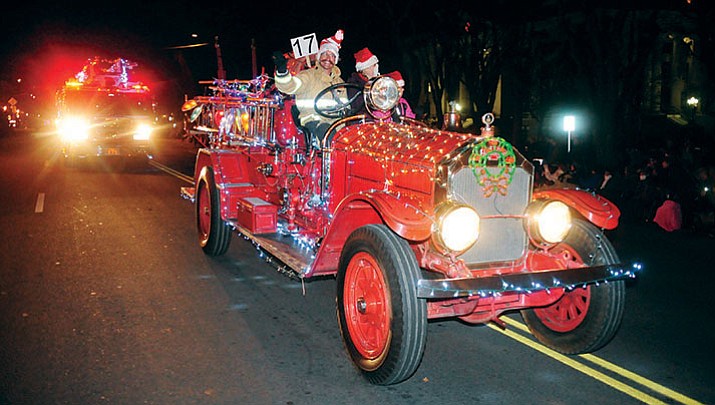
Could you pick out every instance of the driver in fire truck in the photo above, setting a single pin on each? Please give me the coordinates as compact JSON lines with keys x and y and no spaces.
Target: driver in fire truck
{"x":307,"y":84}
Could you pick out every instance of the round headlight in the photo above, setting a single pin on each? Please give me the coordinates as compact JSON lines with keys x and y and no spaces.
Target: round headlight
{"x":382,"y":94}
{"x":457,"y":227}
{"x":550,"y":221}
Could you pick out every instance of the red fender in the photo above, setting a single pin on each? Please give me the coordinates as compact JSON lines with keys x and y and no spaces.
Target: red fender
{"x":595,"y":208}
{"x":401,"y":214}
{"x":229,"y":167}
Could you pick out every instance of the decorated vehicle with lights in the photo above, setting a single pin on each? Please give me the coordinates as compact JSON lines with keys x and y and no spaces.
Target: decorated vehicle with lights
{"x":415,"y":223}
{"x":103,"y":113}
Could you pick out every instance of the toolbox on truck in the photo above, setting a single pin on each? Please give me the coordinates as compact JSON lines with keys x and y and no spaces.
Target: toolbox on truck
{"x":257,"y":215}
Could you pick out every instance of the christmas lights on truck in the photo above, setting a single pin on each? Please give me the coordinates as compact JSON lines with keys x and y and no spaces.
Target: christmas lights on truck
{"x":415,"y":223}
{"x":102,"y":112}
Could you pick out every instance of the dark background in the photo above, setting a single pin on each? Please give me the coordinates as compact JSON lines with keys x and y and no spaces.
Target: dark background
{"x":621,"y":66}
{"x":47,"y":42}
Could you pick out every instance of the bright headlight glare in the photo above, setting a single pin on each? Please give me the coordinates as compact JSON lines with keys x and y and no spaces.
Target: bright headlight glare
{"x":73,"y":129}
{"x":458,"y":227}
{"x":142,"y":133}
{"x":553,"y":221}
{"x":382,"y":94}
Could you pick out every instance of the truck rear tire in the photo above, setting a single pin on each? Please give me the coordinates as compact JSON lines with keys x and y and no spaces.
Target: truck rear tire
{"x":214,"y":232}
{"x":382,"y":322}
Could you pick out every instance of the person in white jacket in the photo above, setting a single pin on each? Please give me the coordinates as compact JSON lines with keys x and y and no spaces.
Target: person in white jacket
{"x":306,"y":84}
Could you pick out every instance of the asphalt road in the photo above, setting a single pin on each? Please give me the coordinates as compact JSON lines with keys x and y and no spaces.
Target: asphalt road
{"x":105,"y":297}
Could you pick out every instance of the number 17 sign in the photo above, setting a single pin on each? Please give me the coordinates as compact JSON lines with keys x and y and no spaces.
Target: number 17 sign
{"x":304,"y":45}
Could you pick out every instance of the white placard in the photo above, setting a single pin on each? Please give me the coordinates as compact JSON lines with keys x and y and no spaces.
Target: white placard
{"x":304,"y":45}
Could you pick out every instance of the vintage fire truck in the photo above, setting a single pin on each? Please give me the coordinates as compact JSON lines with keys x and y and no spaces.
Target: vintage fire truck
{"x":415,"y":223}
{"x":102,"y":112}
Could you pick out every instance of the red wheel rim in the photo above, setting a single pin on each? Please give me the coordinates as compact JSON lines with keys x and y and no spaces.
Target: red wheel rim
{"x":367,"y":306}
{"x":204,"y":213}
{"x":567,"y":313}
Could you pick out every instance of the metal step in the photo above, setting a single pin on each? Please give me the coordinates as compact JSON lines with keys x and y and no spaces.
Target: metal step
{"x":295,"y":254}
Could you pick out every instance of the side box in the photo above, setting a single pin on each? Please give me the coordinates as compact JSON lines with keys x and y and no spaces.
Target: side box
{"x":257,"y":215}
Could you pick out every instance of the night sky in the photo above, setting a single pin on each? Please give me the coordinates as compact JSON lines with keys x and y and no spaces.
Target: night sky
{"x":48,"y":42}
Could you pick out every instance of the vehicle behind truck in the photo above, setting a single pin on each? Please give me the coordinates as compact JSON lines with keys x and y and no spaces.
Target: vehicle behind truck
{"x":102,"y":113}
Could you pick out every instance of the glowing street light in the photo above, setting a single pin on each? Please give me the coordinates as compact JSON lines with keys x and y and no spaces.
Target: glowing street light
{"x":569,"y":126}
{"x":693,"y":104}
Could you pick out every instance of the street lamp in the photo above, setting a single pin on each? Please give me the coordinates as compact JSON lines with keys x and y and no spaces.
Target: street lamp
{"x":569,"y":126}
{"x":693,"y":103}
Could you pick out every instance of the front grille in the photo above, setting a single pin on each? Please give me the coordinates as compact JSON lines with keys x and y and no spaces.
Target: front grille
{"x":501,"y":238}
{"x":117,"y":129}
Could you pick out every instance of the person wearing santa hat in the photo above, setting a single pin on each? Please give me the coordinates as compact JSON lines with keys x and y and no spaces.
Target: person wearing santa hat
{"x":306,"y":84}
{"x":403,"y":107}
{"x":366,"y":68}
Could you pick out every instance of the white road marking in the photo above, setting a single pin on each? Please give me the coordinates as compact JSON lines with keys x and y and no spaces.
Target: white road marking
{"x":40,"y":204}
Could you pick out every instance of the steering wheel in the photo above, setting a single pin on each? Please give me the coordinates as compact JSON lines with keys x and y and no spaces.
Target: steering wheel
{"x":336,"y":107}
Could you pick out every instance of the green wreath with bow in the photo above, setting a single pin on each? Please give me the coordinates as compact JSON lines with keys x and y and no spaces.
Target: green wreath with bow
{"x":493,"y":163}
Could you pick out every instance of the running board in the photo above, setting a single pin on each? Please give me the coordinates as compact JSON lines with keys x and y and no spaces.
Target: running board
{"x":294,"y":255}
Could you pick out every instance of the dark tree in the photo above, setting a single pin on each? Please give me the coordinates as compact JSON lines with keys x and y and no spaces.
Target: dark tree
{"x":482,"y":47}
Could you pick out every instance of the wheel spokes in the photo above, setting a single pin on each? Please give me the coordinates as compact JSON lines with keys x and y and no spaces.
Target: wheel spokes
{"x":566,"y":314}
{"x":204,"y":212}
{"x":366,"y":309}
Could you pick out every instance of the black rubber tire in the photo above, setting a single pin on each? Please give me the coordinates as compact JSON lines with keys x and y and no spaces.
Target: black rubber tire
{"x":214,"y":232}
{"x":605,"y":306}
{"x":402,"y":353}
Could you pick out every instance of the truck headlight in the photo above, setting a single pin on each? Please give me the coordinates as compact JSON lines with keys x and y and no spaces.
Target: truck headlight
{"x":142,"y":133}
{"x":457,"y":227}
{"x":382,"y":94}
{"x":548,"y":221}
{"x":73,"y":129}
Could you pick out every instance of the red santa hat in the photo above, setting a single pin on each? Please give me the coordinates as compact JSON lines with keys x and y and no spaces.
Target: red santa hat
{"x":364,"y":59}
{"x":398,"y":78}
{"x":331,"y":44}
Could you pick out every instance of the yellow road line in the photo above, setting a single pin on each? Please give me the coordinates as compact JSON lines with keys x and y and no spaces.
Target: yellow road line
{"x":641,"y":380}
{"x":626,"y":389}
{"x":604,"y":364}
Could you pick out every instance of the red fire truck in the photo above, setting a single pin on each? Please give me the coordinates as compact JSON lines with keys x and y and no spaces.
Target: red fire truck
{"x":415,"y":223}
{"x":103,"y":113}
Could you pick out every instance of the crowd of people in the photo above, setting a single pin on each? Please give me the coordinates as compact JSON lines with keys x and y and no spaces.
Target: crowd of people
{"x":662,"y":186}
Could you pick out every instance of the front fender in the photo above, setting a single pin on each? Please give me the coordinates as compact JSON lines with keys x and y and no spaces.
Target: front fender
{"x":595,"y":208}
{"x":401,"y":214}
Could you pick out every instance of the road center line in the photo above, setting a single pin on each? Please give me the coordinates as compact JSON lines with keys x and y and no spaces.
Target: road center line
{"x":593,"y":373}
{"x":177,"y":174}
{"x":40,"y":203}
{"x":596,"y":374}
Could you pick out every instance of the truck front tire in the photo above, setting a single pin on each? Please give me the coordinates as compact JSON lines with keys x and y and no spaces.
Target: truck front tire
{"x":382,"y":322}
